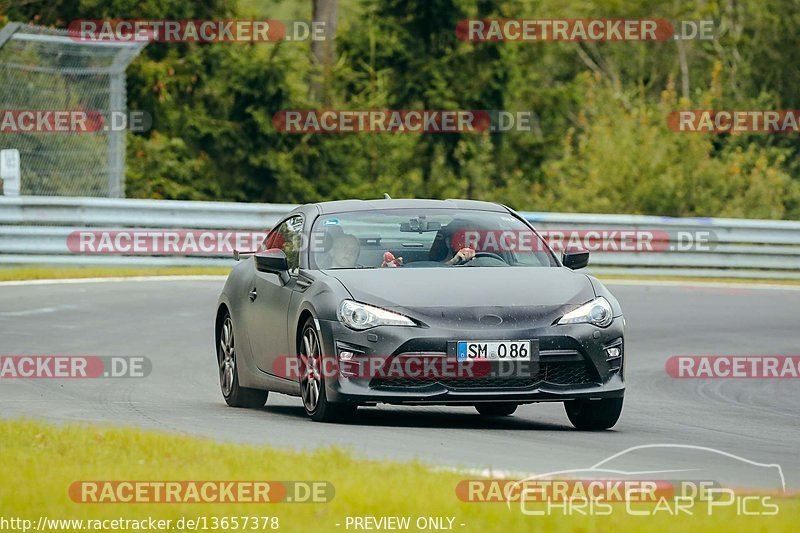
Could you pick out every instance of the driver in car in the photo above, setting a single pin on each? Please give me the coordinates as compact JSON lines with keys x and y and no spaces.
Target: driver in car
{"x":461,"y":256}
{"x":448,"y":246}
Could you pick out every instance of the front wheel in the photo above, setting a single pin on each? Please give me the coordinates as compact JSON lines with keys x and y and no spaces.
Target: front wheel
{"x":594,"y":415}
{"x":312,"y":381}
{"x":496,"y":409}
{"x":234,"y":395}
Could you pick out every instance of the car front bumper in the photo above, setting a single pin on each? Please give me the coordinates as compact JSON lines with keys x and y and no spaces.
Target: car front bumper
{"x":573,"y":363}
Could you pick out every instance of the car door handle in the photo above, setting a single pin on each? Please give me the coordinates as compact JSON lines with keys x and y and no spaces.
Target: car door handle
{"x":253,"y":295}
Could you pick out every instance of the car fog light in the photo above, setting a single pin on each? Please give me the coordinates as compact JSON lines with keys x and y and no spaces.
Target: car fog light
{"x":613,"y":353}
{"x":346,"y":356}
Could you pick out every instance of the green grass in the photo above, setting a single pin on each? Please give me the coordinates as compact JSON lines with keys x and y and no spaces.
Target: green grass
{"x":26,"y":272}
{"x":41,"y":462}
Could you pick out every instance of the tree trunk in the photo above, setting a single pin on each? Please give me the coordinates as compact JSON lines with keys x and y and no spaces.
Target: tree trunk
{"x":323,"y":51}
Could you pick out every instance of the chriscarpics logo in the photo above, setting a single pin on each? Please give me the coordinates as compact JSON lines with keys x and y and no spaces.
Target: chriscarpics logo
{"x":646,"y":480}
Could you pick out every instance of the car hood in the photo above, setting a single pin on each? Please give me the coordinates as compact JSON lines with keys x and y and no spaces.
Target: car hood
{"x":469,"y":293}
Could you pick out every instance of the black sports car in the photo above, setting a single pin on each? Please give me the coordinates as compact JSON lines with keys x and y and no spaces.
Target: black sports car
{"x":447,"y":302}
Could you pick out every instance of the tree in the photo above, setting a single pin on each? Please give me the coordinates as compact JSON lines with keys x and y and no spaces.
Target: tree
{"x":323,"y":51}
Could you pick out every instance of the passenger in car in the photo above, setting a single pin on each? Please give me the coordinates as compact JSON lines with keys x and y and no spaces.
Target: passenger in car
{"x":344,"y":251}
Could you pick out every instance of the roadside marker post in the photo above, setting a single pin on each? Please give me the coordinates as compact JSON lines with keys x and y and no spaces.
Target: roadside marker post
{"x":9,"y":171}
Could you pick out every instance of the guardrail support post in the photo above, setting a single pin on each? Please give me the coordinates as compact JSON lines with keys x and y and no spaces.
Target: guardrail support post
{"x":9,"y":172}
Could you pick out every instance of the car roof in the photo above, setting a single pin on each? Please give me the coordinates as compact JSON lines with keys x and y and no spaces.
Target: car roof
{"x":343,"y":206}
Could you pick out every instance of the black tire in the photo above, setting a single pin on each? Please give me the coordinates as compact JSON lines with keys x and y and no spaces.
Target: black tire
{"x":594,"y":415}
{"x":312,"y":384}
{"x":496,"y":408}
{"x":234,"y":395}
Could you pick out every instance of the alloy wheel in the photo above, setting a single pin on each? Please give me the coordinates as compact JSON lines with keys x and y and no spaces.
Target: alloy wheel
{"x":227,"y":360}
{"x":310,"y":376}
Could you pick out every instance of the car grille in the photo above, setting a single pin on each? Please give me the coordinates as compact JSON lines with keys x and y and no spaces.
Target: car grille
{"x":567,"y":373}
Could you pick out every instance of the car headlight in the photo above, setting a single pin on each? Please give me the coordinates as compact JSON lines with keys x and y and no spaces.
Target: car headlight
{"x":597,"y":312}
{"x":356,"y":315}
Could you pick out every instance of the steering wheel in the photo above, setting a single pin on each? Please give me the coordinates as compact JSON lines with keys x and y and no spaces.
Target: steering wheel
{"x":488,"y":254}
{"x":491,"y":255}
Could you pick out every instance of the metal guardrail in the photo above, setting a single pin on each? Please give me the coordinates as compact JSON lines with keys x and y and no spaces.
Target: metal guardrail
{"x":34,"y":230}
{"x":737,"y":248}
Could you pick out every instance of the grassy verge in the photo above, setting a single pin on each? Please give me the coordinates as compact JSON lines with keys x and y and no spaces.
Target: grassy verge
{"x":25,"y":272}
{"x":16,"y":273}
{"x":42,"y":461}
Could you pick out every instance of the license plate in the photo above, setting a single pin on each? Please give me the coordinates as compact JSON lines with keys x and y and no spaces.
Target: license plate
{"x":493,"y":350}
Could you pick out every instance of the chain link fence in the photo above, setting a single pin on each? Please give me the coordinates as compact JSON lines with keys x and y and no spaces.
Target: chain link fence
{"x":46,"y":69}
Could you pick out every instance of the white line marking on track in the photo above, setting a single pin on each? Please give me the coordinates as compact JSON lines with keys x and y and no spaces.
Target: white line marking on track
{"x":39,"y":310}
{"x":72,"y":281}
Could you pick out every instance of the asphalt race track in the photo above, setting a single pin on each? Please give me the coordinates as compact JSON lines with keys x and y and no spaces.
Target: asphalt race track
{"x":170,"y":322}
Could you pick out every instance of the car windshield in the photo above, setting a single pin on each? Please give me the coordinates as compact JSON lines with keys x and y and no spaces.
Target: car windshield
{"x":425,"y":238}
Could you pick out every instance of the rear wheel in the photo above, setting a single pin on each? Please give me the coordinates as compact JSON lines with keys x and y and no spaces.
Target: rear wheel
{"x":594,"y":415}
{"x":234,"y":395}
{"x":312,"y":381}
{"x":496,"y":409}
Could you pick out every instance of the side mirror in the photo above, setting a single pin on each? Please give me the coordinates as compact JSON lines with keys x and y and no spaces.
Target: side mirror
{"x":273,"y":261}
{"x":575,"y":258}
